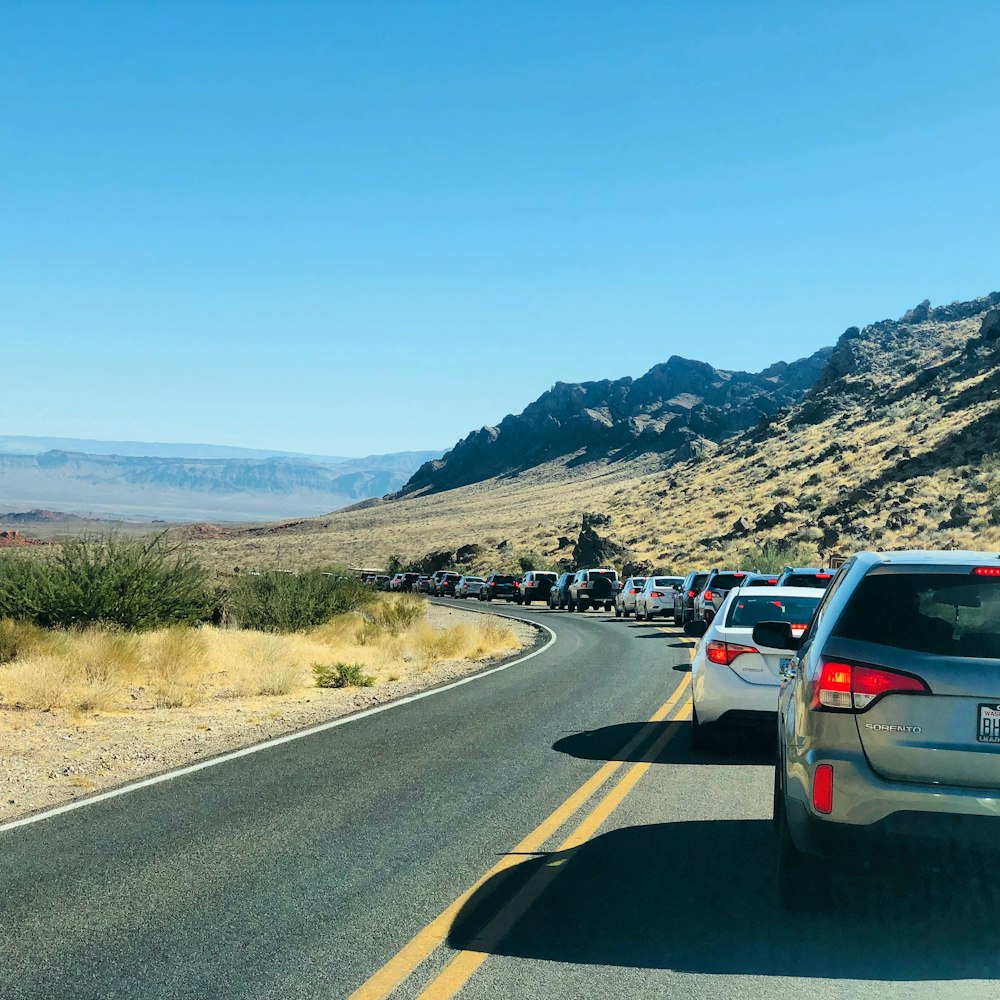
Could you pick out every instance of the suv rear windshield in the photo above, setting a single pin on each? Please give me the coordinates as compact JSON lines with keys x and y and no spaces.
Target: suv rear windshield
{"x":502,"y":579}
{"x":451,"y":576}
{"x":665,"y":581}
{"x":726,"y":581}
{"x":819,"y":580}
{"x":753,"y":609}
{"x":940,"y":613}
{"x":609,"y":573}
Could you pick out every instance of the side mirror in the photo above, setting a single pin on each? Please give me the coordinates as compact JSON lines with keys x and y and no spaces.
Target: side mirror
{"x":776,"y":635}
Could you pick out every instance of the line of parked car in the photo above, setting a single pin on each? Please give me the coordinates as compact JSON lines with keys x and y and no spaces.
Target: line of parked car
{"x":883,"y":676}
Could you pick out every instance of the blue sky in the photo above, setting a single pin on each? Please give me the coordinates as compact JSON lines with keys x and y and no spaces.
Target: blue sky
{"x":347,"y":228}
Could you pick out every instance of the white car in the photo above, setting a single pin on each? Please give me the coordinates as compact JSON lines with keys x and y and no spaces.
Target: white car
{"x":625,"y":599}
{"x":732,"y":680}
{"x":657,"y":597}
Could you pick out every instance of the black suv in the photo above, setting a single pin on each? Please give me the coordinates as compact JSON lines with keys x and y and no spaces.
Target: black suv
{"x":693,"y":585}
{"x":500,"y":586}
{"x":559,"y":594}
{"x":445,"y":586}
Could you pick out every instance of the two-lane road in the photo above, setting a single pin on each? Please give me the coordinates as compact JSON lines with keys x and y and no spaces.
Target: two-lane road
{"x":543,"y":831}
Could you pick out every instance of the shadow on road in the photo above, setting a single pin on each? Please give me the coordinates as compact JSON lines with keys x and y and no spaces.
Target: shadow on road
{"x":699,"y":897}
{"x":606,"y":743}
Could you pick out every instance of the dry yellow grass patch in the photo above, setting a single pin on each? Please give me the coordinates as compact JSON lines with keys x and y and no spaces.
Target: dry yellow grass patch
{"x":103,"y":671}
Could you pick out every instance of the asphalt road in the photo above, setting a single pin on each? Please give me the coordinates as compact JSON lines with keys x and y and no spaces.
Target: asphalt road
{"x":604,"y":858}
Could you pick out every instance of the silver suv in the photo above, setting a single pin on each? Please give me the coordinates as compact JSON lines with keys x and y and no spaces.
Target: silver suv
{"x":889,"y":717}
{"x":592,"y":588}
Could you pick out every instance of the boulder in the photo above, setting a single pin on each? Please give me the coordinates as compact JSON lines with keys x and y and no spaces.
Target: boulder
{"x":990,"y":329}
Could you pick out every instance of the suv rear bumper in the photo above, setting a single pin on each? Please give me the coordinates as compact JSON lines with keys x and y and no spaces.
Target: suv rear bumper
{"x":899,"y":833}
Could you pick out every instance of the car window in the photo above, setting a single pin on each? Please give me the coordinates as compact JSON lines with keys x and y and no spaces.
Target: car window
{"x":938,"y":613}
{"x":819,"y":580}
{"x":752,"y":609}
{"x":726,"y":581}
{"x":698,"y":583}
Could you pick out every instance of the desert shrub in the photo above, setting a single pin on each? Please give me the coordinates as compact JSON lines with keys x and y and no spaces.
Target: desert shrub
{"x":284,"y":602}
{"x":394,"y":614}
{"x":135,"y":584}
{"x":772,"y":557}
{"x":340,"y":675}
{"x":19,"y":639}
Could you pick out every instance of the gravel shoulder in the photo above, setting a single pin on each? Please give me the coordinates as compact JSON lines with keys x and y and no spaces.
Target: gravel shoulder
{"x":49,"y":758}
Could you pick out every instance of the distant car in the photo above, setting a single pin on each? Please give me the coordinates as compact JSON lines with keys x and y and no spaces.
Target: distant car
{"x":806,"y":577}
{"x":424,"y":585}
{"x":409,"y":581}
{"x":889,"y":722}
{"x":684,"y":598}
{"x":396,"y":583}
{"x":657,"y":597}
{"x":734,"y":679}
{"x":593,"y":588}
{"x":500,"y":587}
{"x":382,"y":582}
{"x":469,"y":586}
{"x":559,"y":594}
{"x":625,"y":598}
{"x":446,"y":584}
{"x":716,"y":587}
{"x":535,"y":586}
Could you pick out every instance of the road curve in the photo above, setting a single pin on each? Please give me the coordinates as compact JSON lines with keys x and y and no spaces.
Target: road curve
{"x":542,"y":832}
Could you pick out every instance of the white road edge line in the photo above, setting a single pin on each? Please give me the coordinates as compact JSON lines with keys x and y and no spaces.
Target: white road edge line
{"x":279,"y":740}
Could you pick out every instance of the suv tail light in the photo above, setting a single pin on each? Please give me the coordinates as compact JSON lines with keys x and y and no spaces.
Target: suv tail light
{"x":725,"y":652}
{"x":692,"y":593}
{"x":708,"y":595}
{"x":853,"y":687}
{"x":823,"y":788}
{"x":986,"y":571}
{"x":824,"y":576}
{"x":633,"y":590}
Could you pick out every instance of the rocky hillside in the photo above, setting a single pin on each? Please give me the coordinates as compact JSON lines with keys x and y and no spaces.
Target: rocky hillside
{"x":676,"y":409}
{"x":896,"y":444}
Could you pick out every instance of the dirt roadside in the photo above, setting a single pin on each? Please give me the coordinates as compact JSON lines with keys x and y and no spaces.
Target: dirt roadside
{"x":49,"y":758}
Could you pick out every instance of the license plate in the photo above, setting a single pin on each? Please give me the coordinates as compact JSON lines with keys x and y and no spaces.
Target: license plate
{"x":989,"y":724}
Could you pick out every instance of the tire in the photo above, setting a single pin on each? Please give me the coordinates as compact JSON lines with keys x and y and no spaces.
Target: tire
{"x":607,"y":606}
{"x":581,"y":606}
{"x":646,"y":615}
{"x":802,"y":883}
{"x":678,"y":620}
{"x":526,"y":602}
{"x":618,"y":611}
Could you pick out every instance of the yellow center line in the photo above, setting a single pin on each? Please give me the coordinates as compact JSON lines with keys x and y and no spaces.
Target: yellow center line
{"x":402,"y":965}
{"x":460,"y":969}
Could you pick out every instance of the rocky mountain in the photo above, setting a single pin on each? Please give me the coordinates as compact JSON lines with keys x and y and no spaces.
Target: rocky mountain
{"x":191,"y":488}
{"x":894,"y":444}
{"x":678,"y":408}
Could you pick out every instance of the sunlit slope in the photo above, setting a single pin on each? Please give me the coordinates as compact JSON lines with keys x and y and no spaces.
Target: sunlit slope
{"x":897,"y":445}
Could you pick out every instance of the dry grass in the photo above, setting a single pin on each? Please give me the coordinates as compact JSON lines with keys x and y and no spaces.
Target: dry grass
{"x":101,"y":671}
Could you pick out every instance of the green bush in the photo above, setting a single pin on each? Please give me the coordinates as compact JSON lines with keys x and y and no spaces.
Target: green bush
{"x":772,"y":557}
{"x":341,"y":675}
{"x":284,"y":602}
{"x":135,"y":584}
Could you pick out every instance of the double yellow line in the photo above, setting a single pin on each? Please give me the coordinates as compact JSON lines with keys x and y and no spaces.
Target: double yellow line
{"x":457,"y":972}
